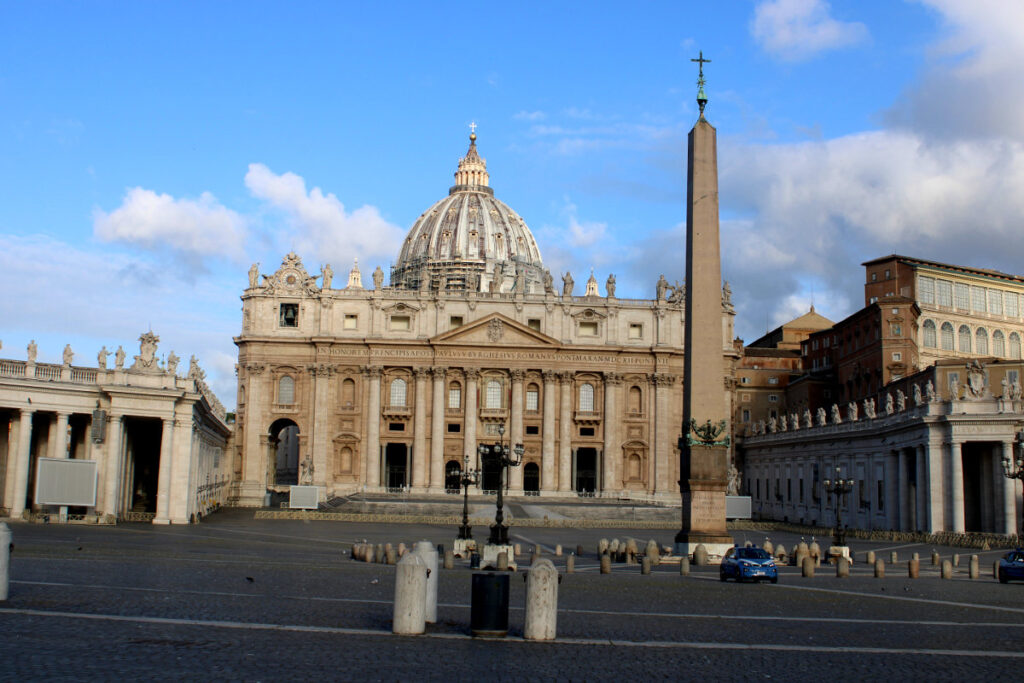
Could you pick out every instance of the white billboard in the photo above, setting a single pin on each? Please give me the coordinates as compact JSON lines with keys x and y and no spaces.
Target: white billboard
{"x":65,"y":482}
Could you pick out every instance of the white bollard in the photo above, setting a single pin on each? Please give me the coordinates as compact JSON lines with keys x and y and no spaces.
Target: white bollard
{"x":409,"y":616}
{"x":428,"y":552}
{"x":541,"y":601}
{"x":5,"y":561}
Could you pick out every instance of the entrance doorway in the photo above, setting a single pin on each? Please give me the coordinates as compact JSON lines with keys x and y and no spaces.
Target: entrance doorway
{"x":451,"y":476}
{"x":979,"y":498}
{"x":586,"y":470}
{"x":284,"y":441}
{"x":531,"y":478}
{"x":142,"y":464}
{"x":396,"y":466}
{"x":490,"y":473}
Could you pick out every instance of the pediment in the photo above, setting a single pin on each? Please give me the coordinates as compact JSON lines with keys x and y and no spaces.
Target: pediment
{"x":494,"y":330}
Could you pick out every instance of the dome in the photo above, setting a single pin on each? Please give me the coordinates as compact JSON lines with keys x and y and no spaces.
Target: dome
{"x":469,"y":240}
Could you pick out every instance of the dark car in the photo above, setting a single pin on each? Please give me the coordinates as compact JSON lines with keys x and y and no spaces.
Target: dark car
{"x":748,"y":563}
{"x":1012,"y":566}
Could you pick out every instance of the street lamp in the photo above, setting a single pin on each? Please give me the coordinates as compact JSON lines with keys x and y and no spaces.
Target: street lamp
{"x":839,"y":488}
{"x":467,"y":478}
{"x":1014,"y":468}
{"x":505,"y":457}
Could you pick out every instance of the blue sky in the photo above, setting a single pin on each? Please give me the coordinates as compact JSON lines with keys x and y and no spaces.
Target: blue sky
{"x":149,"y":152}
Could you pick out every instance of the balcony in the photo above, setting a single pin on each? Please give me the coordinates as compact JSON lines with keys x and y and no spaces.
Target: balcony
{"x":587,"y":416}
{"x":397,"y":412}
{"x":494,"y":415}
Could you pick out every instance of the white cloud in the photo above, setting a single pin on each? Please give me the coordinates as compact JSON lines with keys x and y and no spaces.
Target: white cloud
{"x":196,"y":228}
{"x":530,"y":116}
{"x":320,"y":223}
{"x":794,"y":30}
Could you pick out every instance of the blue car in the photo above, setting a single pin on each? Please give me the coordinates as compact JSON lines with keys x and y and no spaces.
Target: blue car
{"x":1012,"y":566}
{"x":748,"y":563}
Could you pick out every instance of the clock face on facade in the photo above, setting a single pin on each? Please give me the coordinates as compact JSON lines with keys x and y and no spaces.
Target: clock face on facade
{"x":291,"y":279}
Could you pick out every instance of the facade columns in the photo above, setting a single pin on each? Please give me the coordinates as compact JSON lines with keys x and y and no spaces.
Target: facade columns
{"x":611,"y":479}
{"x":565,"y":433}
{"x":183,"y":457}
{"x":113,"y":465}
{"x":921,"y":503}
{"x":320,"y":438}
{"x":662,"y":443}
{"x":516,"y":434}
{"x":419,"y":431}
{"x":371,"y":447}
{"x":956,"y":485}
{"x":437,"y":431}
{"x":60,"y":441}
{"x":11,"y":462}
{"x":471,"y":413}
{"x":1009,"y":491}
{"x":163,"y":489}
{"x":22,"y":455}
{"x":547,"y":452}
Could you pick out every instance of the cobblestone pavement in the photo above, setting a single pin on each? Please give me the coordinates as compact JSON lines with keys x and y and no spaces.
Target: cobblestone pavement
{"x":236,"y":598}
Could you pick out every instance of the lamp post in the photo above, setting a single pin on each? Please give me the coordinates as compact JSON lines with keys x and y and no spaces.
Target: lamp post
{"x":467,"y":478}
{"x":1013,"y":467}
{"x":839,"y":488}
{"x":505,"y":457}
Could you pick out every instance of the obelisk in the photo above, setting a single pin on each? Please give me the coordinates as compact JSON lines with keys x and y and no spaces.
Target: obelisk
{"x":703,"y":460}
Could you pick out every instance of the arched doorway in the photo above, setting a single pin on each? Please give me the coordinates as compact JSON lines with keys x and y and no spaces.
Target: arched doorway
{"x":452,"y":470}
{"x":284,"y":440}
{"x":586,"y":470}
{"x":396,"y":465}
{"x":531,"y":478}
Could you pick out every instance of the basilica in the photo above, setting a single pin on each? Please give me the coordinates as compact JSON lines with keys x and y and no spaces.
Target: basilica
{"x":374,"y":387}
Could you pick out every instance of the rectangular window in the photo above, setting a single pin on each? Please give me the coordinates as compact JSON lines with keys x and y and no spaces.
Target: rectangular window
{"x":897,"y":355}
{"x":746,"y":415}
{"x":454,"y":428}
{"x":773,"y":398}
{"x":824,"y":343}
{"x":978,"y":299}
{"x":454,"y":321}
{"x":492,"y":396}
{"x":532,"y":400}
{"x":745,"y":397}
{"x":351,"y":321}
{"x":744,"y":380}
{"x":896,"y":330}
{"x":1012,"y":377}
{"x":533,"y":324}
{"x":1011,"y":304}
{"x":995,"y":302}
{"x":801,"y":490}
{"x":400,"y":322}
{"x":773,"y":380}
{"x":961,"y":295}
{"x":396,"y":426}
{"x":881,"y":495}
{"x":289,"y":315}
{"x":532,"y":430}
{"x":586,"y":431}
{"x":636,"y":331}
{"x":926,"y":289}
{"x":588,"y":329}
{"x":814,"y":345}
{"x":454,"y":398}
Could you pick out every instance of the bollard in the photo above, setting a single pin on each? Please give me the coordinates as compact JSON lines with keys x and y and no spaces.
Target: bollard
{"x":518,"y":549}
{"x":700,"y":555}
{"x":378,"y":554}
{"x":502,"y":561}
{"x":801,"y":555}
{"x":684,"y":567}
{"x":652,"y":552}
{"x":870,"y":557}
{"x":613,"y":547}
{"x":449,"y":559}
{"x":815,"y":550}
{"x":842,"y":568}
{"x":645,"y":565}
{"x":426,"y":550}
{"x":947,"y":569}
{"x":973,"y":567}
{"x":807,"y":567}
{"x":914,"y":568}
{"x":390,"y":557}
{"x":935,"y":559}
{"x":995,"y":569}
{"x":5,"y":561}
{"x":401,"y":549}
{"x":541,"y":601}
{"x":956,"y":559}
{"x":579,"y":551}
{"x":488,"y":616}
{"x":570,"y":564}
{"x":602,"y":546}
{"x":537,"y":550}
{"x":880,"y":568}
{"x":369,"y":552}
{"x":409,"y":616}
{"x":606,"y":564}
{"x":768,"y":547}
{"x":916,"y":556}
{"x":893,"y":557}
{"x":558,"y":550}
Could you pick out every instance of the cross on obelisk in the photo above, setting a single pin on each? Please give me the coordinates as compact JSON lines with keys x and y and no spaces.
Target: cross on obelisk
{"x":472,"y":127}
{"x":702,"y":99}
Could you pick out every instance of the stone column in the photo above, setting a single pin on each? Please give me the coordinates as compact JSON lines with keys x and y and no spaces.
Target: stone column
{"x":17,"y":500}
{"x":663,"y":443}
{"x":181,"y":474}
{"x":419,"y":431}
{"x":935,"y":516}
{"x":320,"y":438}
{"x":921,"y":500}
{"x":259,"y":394}
{"x":114,"y":462}
{"x":60,"y":441}
{"x":371,"y":446}
{"x":163,"y":489}
{"x":611,"y":479}
{"x":565,"y":433}
{"x":437,"y":431}
{"x":11,"y":461}
{"x":956,"y":485}
{"x":547,"y":453}
{"x":1009,"y":491}
{"x":516,"y":434}
{"x":472,"y":414}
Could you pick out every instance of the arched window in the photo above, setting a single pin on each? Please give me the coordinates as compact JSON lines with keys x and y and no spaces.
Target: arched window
{"x":998,"y":344}
{"x":493,"y":395}
{"x":348,"y":392}
{"x":946,"y":337}
{"x":1015,"y":346}
{"x":532,"y":398}
{"x":397,"y":393}
{"x":635,"y":400}
{"x":454,"y":396}
{"x":929,"y":334}
{"x":286,"y":390}
{"x":964,"y":333}
{"x":587,"y":397}
{"x":981,"y":341}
